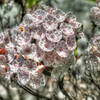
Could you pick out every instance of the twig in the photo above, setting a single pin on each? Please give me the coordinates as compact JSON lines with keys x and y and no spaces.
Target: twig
{"x":60,"y":84}
{"x":31,"y":92}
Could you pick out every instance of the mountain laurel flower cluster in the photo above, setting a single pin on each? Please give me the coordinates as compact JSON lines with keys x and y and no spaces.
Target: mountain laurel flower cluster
{"x":92,"y":59}
{"x":43,"y":39}
{"x":95,"y":15}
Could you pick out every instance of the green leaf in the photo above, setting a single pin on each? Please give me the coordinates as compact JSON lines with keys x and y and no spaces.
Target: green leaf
{"x":31,"y":3}
{"x":75,"y":52}
{"x":92,"y":0}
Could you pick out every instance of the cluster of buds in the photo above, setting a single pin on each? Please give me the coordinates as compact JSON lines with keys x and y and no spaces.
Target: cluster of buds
{"x":44,"y":38}
{"x":95,"y":15}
